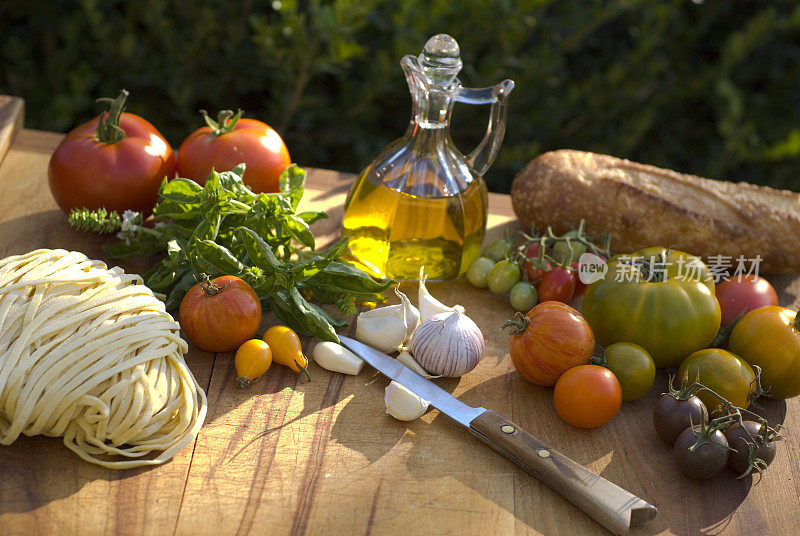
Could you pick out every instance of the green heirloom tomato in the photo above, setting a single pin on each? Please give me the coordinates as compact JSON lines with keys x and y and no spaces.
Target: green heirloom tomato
{"x":666,"y":306}
{"x":633,"y":367}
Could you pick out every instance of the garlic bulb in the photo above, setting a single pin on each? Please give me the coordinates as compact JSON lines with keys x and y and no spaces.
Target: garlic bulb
{"x":337,"y":358}
{"x":408,"y":360}
{"x":388,"y":328}
{"x":428,"y":305}
{"x":402,"y":404}
{"x":448,"y":344}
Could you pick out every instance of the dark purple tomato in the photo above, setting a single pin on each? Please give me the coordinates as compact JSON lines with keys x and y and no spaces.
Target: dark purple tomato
{"x":738,"y":439}
{"x":671,"y":416}
{"x":706,"y":460}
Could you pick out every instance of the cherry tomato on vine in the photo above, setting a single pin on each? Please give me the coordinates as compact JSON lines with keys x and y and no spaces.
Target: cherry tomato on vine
{"x":672,"y":415}
{"x":229,"y":141}
{"x":705,"y":460}
{"x":534,"y":274}
{"x":503,"y":276}
{"x":497,"y":249}
{"x":557,"y":285}
{"x":478,"y":271}
{"x":219,"y":314}
{"x":744,"y":293}
{"x":523,"y":296}
{"x":252,"y":360}
{"x":115,"y":161}
{"x":587,"y":396}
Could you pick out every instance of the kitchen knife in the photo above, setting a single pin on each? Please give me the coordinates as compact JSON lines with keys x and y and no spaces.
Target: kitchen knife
{"x":605,"y":502}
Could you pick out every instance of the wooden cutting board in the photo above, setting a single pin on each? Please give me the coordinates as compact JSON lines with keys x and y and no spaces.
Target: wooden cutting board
{"x":291,"y":457}
{"x":12,"y":113}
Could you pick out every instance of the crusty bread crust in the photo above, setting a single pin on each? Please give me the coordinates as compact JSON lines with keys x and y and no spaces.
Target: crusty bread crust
{"x":641,"y":206}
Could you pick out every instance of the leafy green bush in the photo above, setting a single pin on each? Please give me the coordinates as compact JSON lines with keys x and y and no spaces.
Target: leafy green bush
{"x":711,"y":88}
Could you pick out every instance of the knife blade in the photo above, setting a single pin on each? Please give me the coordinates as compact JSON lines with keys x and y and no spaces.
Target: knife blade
{"x":610,"y":505}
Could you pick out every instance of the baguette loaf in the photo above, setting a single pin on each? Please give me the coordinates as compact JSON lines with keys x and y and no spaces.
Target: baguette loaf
{"x":641,"y":205}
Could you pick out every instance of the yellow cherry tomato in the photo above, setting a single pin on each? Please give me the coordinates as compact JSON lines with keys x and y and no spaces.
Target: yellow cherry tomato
{"x":286,"y":348}
{"x":253,"y":359}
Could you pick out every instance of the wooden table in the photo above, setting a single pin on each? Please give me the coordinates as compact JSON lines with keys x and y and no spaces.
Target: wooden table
{"x":295,"y":457}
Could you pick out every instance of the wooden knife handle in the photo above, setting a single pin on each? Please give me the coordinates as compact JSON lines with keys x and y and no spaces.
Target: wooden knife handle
{"x":605,"y":502}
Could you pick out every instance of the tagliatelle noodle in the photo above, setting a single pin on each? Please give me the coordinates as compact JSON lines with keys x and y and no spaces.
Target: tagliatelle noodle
{"x":91,"y":355}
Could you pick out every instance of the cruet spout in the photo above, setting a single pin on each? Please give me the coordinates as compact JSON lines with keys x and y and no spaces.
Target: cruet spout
{"x":484,"y":154}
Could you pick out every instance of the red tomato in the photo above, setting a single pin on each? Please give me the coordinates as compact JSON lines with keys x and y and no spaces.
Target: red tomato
{"x":743,"y":293}
{"x":93,"y":168}
{"x":557,"y":285}
{"x":224,"y":144}
{"x":220,"y":314}
{"x":580,"y":286}
{"x":552,"y":338}
{"x":534,"y":274}
{"x":587,"y":396}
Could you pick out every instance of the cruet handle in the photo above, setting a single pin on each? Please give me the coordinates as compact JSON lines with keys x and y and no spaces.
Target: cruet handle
{"x":484,"y":154}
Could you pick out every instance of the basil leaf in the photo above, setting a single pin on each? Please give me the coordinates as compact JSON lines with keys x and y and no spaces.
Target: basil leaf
{"x":292,"y":183}
{"x":342,"y":277}
{"x":214,"y":258}
{"x":313,"y":266}
{"x":179,"y":291}
{"x":180,"y":190}
{"x":309,"y":318}
{"x":312,"y":217}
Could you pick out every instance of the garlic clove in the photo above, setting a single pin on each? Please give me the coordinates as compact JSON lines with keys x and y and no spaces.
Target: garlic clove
{"x":403,"y":404}
{"x":448,"y":344}
{"x":428,"y":305}
{"x":388,"y":328}
{"x":408,"y":360}
{"x":337,"y":358}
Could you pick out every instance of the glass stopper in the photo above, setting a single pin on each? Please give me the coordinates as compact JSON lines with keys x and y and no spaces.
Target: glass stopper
{"x":441,"y":59}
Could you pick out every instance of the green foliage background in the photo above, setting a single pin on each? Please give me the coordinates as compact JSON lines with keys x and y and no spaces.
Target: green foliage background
{"x":711,"y":88}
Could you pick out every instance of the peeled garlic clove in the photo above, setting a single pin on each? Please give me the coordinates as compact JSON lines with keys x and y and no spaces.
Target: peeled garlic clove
{"x":402,"y":404}
{"x":408,"y":360}
{"x":337,"y":358}
{"x":428,"y":305}
{"x":448,"y":344}
{"x":388,"y":328}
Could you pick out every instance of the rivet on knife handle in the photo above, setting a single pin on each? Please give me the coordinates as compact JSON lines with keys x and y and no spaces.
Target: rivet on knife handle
{"x":608,"y":504}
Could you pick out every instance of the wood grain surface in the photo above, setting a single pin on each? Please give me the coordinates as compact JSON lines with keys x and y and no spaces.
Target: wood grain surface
{"x":290,"y":457}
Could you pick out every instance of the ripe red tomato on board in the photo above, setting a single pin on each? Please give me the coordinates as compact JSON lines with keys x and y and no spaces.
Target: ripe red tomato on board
{"x":552,"y":338}
{"x":220,"y":314}
{"x":587,"y":396}
{"x":534,"y":274}
{"x":229,"y":141}
{"x":557,"y":285}
{"x":743,"y":293}
{"x":115,"y":161}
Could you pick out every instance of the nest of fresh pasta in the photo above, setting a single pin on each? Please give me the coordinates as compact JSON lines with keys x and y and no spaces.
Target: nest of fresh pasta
{"x":89,"y":354}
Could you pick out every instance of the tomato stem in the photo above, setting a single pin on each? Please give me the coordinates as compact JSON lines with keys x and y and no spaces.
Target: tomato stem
{"x":304,"y":369}
{"x":210,"y":288}
{"x":243,"y":382}
{"x":108,"y":130}
{"x":796,"y":321}
{"x":520,"y":323}
{"x":226,"y":121}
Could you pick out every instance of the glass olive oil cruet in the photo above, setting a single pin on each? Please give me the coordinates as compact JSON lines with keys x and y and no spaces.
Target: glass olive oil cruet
{"x":422,"y":202}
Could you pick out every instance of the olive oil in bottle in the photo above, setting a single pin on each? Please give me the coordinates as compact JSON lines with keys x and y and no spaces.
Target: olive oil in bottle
{"x":395,"y":233}
{"x":421,"y":202}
